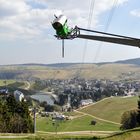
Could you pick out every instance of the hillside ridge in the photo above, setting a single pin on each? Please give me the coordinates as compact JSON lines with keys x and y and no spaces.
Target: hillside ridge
{"x":135,"y":61}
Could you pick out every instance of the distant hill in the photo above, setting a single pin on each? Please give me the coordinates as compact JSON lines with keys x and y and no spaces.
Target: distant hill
{"x":62,"y":65}
{"x":120,"y":70}
{"x":135,"y":61}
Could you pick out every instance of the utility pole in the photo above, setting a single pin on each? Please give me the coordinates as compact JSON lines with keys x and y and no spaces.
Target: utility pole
{"x":34,"y":120}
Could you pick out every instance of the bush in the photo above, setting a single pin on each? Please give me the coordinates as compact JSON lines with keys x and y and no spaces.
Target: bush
{"x":138,"y":116}
{"x":51,"y":108}
{"x":93,"y":122}
{"x":129,"y":120}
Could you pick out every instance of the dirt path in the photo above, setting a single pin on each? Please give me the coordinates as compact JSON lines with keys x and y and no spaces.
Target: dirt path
{"x":78,"y":116}
{"x":27,"y":85}
{"x":95,"y":116}
{"x":93,"y":133}
{"x":14,"y":137}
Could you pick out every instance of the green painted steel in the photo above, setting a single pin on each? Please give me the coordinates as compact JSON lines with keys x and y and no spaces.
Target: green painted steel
{"x":63,"y":31}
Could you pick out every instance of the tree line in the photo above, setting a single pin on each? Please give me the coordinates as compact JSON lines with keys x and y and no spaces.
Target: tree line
{"x":95,"y":95}
{"x":14,"y":116}
{"x":131,"y":119}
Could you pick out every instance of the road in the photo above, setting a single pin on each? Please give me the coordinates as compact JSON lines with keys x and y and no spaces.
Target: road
{"x":92,"y":133}
{"x":76,"y":133}
{"x":15,"y":136}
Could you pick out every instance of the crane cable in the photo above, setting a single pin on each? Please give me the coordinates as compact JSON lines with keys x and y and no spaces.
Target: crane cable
{"x":111,"y":14}
{"x":88,"y":26}
{"x":106,"y":28}
{"x":109,"y":34}
{"x":92,"y":5}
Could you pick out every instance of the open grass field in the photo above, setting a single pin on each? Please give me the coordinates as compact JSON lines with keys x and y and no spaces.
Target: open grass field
{"x":109,"y":109}
{"x":78,"y":124}
{"x":111,"y":71}
{"x":6,"y":82}
{"x":112,"y":108}
{"x":14,"y":84}
{"x":126,"y":135}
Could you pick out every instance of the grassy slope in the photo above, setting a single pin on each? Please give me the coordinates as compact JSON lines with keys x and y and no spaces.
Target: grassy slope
{"x":109,"y":71}
{"x":13,"y":84}
{"x":112,"y":108}
{"x":2,"y":82}
{"x":130,"y":135}
{"x":133,"y":134}
{"x":78,"y":124}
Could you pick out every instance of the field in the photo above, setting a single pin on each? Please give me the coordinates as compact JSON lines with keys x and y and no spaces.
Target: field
{"x":78,"y":124}
{"x":6,"y":82}
{"x":15,"y":84}
{"x":130,"y":135}
{"x":80,"y":127}
{"x":112,"y":108}
{"x":126,"y":135}
{"x":111,"y":71}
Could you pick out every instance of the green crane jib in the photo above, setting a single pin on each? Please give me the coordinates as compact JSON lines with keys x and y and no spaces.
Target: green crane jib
{"x":63,"y":32}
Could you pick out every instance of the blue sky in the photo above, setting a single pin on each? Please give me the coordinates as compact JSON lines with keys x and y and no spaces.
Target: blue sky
{"x":26,"y":34}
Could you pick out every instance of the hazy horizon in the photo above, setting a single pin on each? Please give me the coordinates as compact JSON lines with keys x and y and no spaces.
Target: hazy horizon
{"x":34,"y":63}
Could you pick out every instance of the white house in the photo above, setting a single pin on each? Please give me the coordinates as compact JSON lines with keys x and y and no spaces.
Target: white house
{"x":4,"y":91}
{"x":86,"y":102}
{"x":130,"y":92}
{"x":18,"y":95}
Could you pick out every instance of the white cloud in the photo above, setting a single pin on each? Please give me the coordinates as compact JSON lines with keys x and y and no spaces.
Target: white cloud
{"x":121,"y":2}
{"x":24,"y":22}
{"x":135,"y":12}
{"x":14,"y":7}
{"x":78,"y":11}
{"x":20,"y":19}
